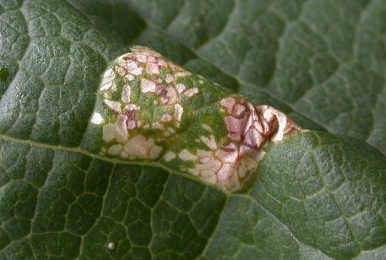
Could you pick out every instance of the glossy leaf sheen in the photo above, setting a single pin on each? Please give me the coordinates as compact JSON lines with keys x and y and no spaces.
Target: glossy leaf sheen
{"x":316,"y":195}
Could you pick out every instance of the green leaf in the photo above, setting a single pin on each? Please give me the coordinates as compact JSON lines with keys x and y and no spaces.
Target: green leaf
{"x":315,"y":195}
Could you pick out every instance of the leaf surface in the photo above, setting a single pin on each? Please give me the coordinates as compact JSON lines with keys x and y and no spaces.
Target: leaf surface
{"x":316,"y":195}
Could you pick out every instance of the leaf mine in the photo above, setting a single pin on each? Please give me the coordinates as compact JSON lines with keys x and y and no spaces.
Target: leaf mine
{"x":151,"y":109}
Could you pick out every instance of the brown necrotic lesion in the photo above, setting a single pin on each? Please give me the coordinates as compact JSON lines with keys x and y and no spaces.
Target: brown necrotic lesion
{"x":147,"y":97}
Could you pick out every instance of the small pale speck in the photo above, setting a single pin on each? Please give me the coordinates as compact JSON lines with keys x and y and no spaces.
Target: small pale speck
{"x":152,"y":68}
{"x":108,"y":132}
{"x":147,"y":86}
{"x":107,"y":80}
{"x":126,"y":93}
{"x":115,"y":149}
{"x":111,"y":245}
{"x":113,"y":105}
{"x":191,"y":92}
{"x":182,"y":74}
{"x":185,"y":155}
{"x":124,"y":154}
{"x":137,"y":71}
{"x":130,"y":77}
{"x":155,"y":152}
{"x":180,"y":87}
{"x":171,"y":130}
{"x":207,"y":127}
{"x":210,"y":142}
{"x":178,"y":110}
{"x":140,"y":57}
{"x":169,"y":155}
{"x":169,"y":78}
{"x":166,"y":118}
{"x":157,"y":125}
{"x":96,"y":119}
{"x":193,"y":171}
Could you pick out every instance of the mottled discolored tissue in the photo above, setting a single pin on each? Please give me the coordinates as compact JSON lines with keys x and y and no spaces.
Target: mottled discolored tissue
{"x":226,"y":161}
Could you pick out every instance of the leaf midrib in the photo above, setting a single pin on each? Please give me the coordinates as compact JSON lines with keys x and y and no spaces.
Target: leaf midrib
{"x":77,"y":150}
{"x":155,"y":164}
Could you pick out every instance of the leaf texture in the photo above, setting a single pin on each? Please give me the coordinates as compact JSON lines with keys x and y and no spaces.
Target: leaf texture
{"x":316,"y":195}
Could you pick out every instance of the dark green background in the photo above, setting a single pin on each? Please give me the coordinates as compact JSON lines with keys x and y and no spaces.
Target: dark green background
{"x":317,"y":195}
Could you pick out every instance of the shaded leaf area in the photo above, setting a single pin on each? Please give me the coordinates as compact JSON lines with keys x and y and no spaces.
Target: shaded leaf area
{"x":55,"y":53}
{"x":326,"y":59}
{"x":316,"y":196}
{"x":310,"y":201}
{"x":61,"y":204}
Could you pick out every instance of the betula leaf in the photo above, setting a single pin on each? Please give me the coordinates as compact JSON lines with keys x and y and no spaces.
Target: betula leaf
{"x":106,"y":155}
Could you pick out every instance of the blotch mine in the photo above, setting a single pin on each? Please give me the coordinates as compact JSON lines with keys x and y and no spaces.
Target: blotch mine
{"x":149,"y":109}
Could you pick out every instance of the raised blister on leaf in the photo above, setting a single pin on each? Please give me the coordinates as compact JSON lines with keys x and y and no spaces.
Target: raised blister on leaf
{"x":154,"y":110}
